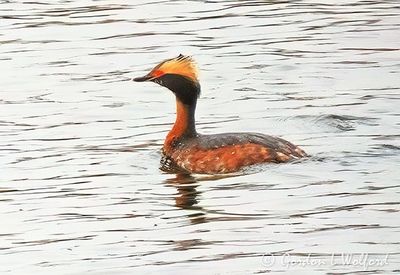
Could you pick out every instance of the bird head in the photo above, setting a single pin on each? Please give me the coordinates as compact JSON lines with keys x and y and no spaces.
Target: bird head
{"x":178,"y":74}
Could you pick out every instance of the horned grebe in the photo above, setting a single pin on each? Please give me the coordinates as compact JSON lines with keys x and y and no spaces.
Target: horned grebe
{"x":188,"y":151}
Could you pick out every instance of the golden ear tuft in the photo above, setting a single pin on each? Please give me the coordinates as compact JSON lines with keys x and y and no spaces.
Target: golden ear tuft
{"x":181,"y":65}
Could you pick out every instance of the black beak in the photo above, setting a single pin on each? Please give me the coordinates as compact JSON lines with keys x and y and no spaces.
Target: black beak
{"x":143,"y":78}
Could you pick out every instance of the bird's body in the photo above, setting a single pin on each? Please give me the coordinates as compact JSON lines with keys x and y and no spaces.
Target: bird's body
{"x":227,"y":152}
{"x":188,"y":151}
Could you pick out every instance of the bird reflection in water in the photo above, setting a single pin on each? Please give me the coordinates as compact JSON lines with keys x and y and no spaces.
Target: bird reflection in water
{"x":188,"y":196}
{"x":186,"y":187}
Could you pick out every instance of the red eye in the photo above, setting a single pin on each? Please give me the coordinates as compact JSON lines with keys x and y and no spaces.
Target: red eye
{"x":157,"y":73}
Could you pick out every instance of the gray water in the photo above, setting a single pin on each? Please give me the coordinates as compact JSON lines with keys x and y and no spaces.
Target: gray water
{"x":80,"y":185}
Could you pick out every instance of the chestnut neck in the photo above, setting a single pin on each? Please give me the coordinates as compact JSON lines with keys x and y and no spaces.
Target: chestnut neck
{"x":184,"y":126}
{"x":186,"y":93}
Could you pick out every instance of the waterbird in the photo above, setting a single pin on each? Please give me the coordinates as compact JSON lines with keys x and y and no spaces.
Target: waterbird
{"x":185,"y":150}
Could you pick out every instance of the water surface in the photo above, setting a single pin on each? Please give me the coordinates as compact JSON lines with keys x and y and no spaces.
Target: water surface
{"x":81,"y":190}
